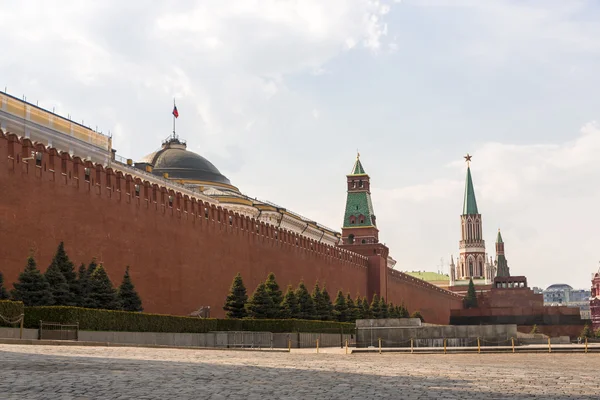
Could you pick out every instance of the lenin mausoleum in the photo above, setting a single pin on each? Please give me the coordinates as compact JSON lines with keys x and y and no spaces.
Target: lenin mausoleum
{"x":183,"y":228}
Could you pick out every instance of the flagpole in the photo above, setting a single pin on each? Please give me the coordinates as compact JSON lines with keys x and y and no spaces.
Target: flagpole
{"x":174,"y":135}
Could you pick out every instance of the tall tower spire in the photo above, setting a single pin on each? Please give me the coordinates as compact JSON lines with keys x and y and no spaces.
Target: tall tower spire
{"x":360,"y":225}
{"x":471,"y":263}
{"x":501,"y":262}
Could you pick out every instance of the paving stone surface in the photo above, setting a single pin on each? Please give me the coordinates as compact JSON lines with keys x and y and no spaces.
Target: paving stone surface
{"x":56,"y":372}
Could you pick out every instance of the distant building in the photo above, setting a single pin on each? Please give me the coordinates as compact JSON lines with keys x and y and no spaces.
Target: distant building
{"x":537,"y":290}
{"x":435,"y":278}
{"x":595,"y":300}
{"x":561,"y":294}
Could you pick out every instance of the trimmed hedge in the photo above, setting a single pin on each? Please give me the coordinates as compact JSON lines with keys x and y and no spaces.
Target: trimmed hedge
{"x":10,"y":310}
{"x":107,"y":320}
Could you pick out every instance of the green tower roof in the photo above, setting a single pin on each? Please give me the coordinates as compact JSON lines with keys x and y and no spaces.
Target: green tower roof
{"x":499,"y":238}
{"x":358,"y":202}
{"x":358,"y":168}
{"x":470,"y":204}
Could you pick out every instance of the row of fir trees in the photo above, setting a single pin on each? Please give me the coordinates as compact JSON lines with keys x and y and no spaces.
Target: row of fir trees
{"x":268,"y":302}
{"x":60,"y":285}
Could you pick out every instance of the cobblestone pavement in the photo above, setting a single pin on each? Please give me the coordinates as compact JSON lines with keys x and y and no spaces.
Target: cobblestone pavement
{"x":57,"y":372}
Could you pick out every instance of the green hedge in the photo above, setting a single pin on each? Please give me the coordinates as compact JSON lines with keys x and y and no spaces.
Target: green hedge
{"x":106,"y":320}
{"x":10,"y":310}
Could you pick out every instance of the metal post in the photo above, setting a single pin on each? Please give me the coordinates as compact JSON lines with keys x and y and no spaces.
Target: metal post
{"x":289,"y":345}
{"x":411,"y":345}
{"x":444,"y":346}
{"x":23,"y":318}
{"x":478,"y":346}
{"x":512,"y":339}
{"x":346,"y":346}
{"x":379,"y":345}
{"x":586,"y":344}
{"x":317,"y":346}
{"x":549,"y":346}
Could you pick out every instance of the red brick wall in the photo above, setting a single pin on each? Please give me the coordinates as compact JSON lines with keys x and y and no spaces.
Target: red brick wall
{"x":434,"y":303}
{"x":179,"y":259}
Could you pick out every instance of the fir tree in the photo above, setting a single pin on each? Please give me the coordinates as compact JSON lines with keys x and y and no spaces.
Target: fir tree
{"x":81,"y":298}
{"x":403,"y":311}
{"x":235,"y":303}
{"x":340,"y":308}
{"x":375,"y":309}
{"x":306,"y":306}
{"x":92,"y":267}
{"x":317,"y":301}
{"x":326,"y":307}
{"x":383,"y":308}
{"x":3,"y":292}
{"x":586,"y":332}
{"x":417,"y":314}
{"x":276,"y":296}
{"x":32,"y":288}
{"x":470,"y":300}
{"x":102,"y":293}
{"x":58,"y":286}
{"x":63,"y":263}
{"x":359,"y":308}
{"x":597,"y":333}
{"x":260,"y":305}
{"x":392,"y":311}
{"x":289,"y":305}
{"x":366,"y":310}
{"x":128,"y":296}
{"x":353,"y":312}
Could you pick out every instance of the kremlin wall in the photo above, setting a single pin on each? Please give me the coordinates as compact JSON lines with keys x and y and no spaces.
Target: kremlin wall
{"x":183,"y":249}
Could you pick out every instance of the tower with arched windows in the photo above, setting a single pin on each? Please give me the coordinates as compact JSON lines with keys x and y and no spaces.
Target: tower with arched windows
{"x":472,"y":258}
{"x":360,"y":224}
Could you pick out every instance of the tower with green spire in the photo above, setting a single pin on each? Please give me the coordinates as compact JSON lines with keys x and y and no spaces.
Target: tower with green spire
{"x":360,"y":234}
{"x":501,"y":263}
{"x":472,"y":259}
{"x":360,"y":225}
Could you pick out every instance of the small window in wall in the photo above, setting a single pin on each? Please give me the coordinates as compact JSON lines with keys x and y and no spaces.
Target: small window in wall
{"x":170,"y":201}
{"x":276,"y":234}
{"x":38,"y":158}
{"x":363,"y":241}
{"x":351,"y":238}
{"x":137,"y":190}
{"x":362,"y":221}
{"x":360,"y":183}
{"x":230,"y":220}
{"x":205,"y":212}
{"x":86,"y":172}
{"x":353,"y":184}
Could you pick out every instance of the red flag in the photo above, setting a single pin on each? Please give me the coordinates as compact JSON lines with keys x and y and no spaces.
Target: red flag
{"x":175,"y":112}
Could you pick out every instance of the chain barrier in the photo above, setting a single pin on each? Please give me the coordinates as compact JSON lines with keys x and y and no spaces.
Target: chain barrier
{"x":18,"y":320}
{"x":10,"y":321}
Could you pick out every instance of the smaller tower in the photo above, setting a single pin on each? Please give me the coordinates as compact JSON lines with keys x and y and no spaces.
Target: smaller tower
{"x":452,"y":271}
{"x":501,"y":262}
{"x":360,"y":225}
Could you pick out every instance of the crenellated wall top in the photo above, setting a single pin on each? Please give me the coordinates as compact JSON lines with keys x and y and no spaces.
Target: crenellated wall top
{"x":89,"y":176}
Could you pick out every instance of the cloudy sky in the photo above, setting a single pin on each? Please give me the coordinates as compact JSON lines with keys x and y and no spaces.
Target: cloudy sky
{"x":279,"y":95}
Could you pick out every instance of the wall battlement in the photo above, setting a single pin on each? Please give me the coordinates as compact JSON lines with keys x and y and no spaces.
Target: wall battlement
{"x":183,"y":250}
{"x":399,"y":276}
{"x":48,"y":164}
